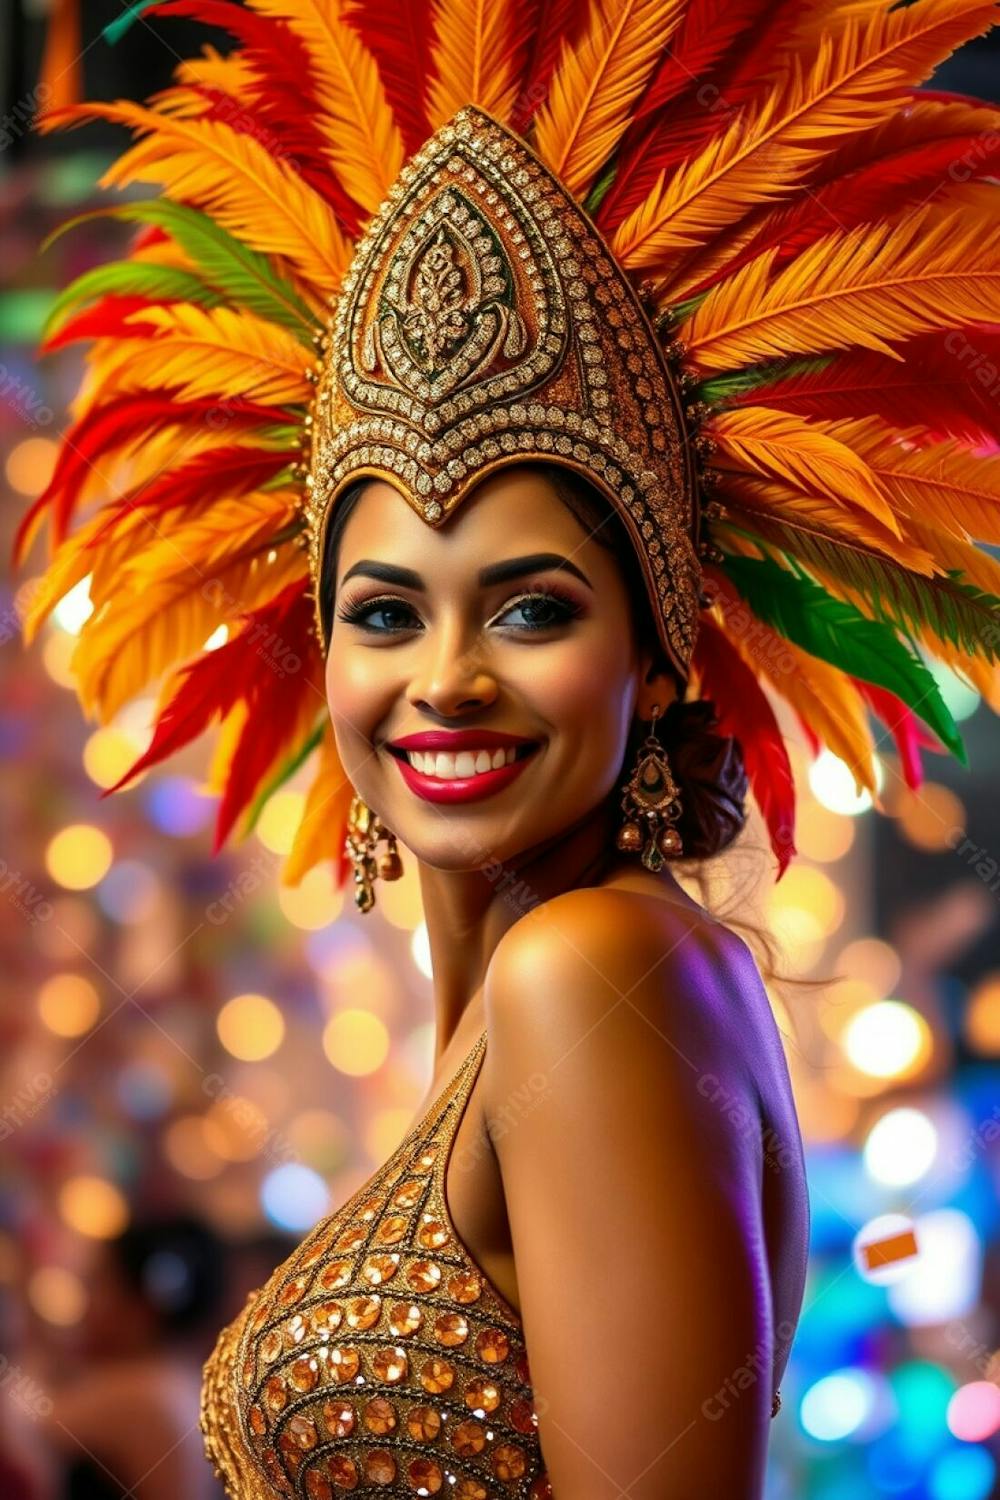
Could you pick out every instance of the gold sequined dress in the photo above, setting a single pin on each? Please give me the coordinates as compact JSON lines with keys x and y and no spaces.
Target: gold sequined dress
{"x":379,"y":1357}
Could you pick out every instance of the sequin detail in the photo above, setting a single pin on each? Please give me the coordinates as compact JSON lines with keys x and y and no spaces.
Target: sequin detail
{"x":379,"y":1357}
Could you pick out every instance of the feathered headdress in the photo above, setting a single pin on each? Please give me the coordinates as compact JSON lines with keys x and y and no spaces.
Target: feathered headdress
{"x":807,"y":243}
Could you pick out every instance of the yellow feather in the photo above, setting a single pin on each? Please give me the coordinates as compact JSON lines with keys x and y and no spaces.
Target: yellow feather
{"x":942,"y":482}
{"x":213,"y":538}
{"x":816,"y":515}
{"x":862,"y":287}
{"x":596,"y":85}
{"x":472,"y":58}
{"x":781,"y":445}
{"x":320,"y":833}
{"x":227,"y":743}
{"x":853,"y":83}
{"x":363,"y":139}
{"x":214,"y":352}
{"x":951,"y":552}
{"x":166,"y":622}
{"x":233,"y":177}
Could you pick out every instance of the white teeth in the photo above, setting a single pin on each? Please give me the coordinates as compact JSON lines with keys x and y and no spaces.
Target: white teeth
{"x":447,"y":767}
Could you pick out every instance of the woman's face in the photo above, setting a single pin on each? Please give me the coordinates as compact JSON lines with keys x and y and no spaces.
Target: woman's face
{"x":427,"y":636}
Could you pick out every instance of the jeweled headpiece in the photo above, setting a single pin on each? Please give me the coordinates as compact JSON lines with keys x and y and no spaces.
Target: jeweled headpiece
{"x":483,"y":322}
{"x":621,"y":236}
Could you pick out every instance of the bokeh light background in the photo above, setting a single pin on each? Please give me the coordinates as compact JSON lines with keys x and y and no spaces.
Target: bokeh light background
{"x":178,"y":1031}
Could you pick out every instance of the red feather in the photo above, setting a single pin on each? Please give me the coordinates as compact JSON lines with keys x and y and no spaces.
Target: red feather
{"x":543,"y":25}
{"x":876,"y":191}
{"x":398,"y":34}
{"x":220,"y":473}
{"x":907,"y":731}
{"x":745,"y":713}
{"x":106,"y":319}
{"x":268,"y":665}
{"x":126,"y":419}
{"x":708,"y":29}
{"x":663,"y":139}
{"x":283,"y":118}
{"x":936,"y":383}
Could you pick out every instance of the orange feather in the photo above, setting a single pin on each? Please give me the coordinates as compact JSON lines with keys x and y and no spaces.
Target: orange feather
{"x":597,"y":82}
{"x":473,"y":60}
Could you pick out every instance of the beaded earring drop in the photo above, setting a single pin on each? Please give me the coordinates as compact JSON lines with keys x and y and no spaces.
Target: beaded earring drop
{"x":364,"y":830}
{"x":651,"y":804}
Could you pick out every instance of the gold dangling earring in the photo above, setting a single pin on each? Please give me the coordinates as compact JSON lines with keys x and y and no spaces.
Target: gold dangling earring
{"x":364,"y":830}
{"x":651,"y":795}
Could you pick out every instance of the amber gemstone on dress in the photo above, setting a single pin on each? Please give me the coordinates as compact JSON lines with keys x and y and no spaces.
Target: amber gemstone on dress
{"x":424,"y":1476}
{"x":522,"y":1415}
{"x":379,"y":1415}
{"x":392,"y":1229}
{"x":258,"y":1422}
{"x":292,"y":1291}
{"x":424,"y":1159}
{"x":521,"y":1369}
{"x":389,"y":1365}
{"x":335,"y":1275}
{"x":248,"y":1371}
{"x":407,"y":1195}
{"x":295,"y":1330}
{"x":369,"y":1209}
{"x":541,"y":1488}
{"x":351,"y":1237}
{"x":343,"y":1363}
{"x":318,"y":1487}
{"x":299,"y":1433}
{"x":313,"y":1254}
{"x":276,"y":1472}
{"x":465,"y":1286}
{"x":468,"y":1438}
{"x":437,"y":1375}
{"x":451,"y":1329}
{"x":423,"y":1422}
{"x":380,"y":1467}
{"x":364,"y":1312}
{"x":270,"y":1345}
{"x":492,"y":1345}
{"x":343,"y":1471}
{"x":338,"y":1418}
{"x":432,"y":1234}
{"x":508,"y":1461}
{"x":379,"y":1268}
{"x":482,"y":1394}
{"x":260,"y":1316}
{"x":326,"y":1317}
{"x":423,"y":1275}
{"x":275,"y":1394}
{"x":304,"y":1374}
{"x":404,"y":1318}
{"x":469,"y":1489}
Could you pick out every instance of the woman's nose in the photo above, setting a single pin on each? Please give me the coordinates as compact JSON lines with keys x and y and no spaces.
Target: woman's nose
{"x":450,"y":677}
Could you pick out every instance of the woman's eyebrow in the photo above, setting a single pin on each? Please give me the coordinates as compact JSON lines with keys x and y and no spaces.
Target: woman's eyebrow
{"x":501,"y":572}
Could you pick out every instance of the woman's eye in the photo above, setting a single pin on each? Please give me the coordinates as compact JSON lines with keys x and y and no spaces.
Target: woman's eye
{"x":542,"y":610}
{"x":396,"y":611}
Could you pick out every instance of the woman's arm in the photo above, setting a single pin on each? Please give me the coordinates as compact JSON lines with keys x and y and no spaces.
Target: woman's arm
{"x":623,"y":1115}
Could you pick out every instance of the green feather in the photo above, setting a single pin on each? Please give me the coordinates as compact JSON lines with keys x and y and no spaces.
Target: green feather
{"x":949,"y":605}
{"x":800,"y":609}
{"x":600,"y":189}
{"x":286,"y":770}
{"x":244,"y":276}
{"x":116,"y":29}
{"x":723,"y":387}
{"x":130,"y":278}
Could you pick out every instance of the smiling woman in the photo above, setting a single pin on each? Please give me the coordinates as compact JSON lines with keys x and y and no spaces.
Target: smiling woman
{"x":473,"y":339}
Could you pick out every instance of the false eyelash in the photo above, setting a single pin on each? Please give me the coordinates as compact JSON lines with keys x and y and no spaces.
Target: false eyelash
{"x":354,"y":614}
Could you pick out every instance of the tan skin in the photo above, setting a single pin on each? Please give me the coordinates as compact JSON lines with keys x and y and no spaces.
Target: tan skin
{"x":610,"y":1173}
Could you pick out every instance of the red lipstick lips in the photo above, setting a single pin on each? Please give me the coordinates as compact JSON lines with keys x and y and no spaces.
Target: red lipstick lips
{"x":460,"y":788}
